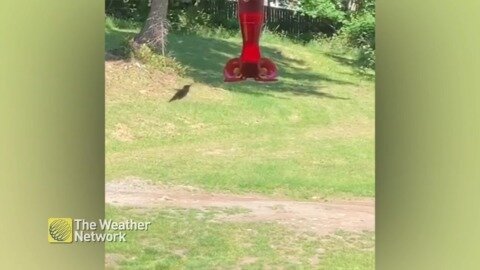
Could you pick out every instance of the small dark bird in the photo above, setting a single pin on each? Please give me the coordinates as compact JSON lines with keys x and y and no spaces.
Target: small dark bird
{"x":181,"y":93}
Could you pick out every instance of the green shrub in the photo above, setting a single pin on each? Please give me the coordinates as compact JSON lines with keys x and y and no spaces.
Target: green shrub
{"x":357,"y":28}
{"x":229,"y":24}
{"x":128,"y":9}
{"x":326,"y":9}
{"x":366,"y":57}
{"x":190,"y":19}
{"x":360,"y":30}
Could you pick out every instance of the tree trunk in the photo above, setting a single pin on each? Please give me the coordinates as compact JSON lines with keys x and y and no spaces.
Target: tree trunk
{"x":155,"y":30}
{"x":354,"y":5}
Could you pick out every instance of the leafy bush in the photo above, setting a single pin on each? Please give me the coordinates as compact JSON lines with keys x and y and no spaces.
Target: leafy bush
{"x":191,"y":19}
{"x":128,"y":9}
{"x":198,"y":17}
{"x":366,"y":57}
{"x":357,"y":27}
{"x":326,"y":9}
{"x":360,"y":33}
{"x":360,"y":30}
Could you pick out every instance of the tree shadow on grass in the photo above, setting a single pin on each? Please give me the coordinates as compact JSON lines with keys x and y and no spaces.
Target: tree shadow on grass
{"x":206,"y":57}
{"x":116,"y":42}
{"x":357,"y":69}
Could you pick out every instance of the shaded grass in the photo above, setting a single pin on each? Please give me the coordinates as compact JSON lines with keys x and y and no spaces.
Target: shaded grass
{"x":192,"y":239}
{"x":117,"y":34}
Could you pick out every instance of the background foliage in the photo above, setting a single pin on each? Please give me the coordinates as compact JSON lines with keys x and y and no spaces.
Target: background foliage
{"x":353,"y":27}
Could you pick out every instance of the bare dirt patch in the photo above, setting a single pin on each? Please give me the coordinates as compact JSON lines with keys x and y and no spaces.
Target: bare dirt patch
{"x":248,"y":260}
{"x":322,"y":218}
{"x":123,"y":133}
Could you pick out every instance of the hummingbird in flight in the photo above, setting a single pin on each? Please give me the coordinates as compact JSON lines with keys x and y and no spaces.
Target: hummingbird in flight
{"x":181,"y":93}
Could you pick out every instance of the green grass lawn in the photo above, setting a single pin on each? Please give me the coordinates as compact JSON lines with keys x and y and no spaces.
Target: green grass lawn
{"x":310,"y":134}
{"x":192,"y":239}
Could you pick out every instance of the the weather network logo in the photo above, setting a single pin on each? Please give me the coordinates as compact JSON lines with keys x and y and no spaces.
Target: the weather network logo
{"x":60,"y":230}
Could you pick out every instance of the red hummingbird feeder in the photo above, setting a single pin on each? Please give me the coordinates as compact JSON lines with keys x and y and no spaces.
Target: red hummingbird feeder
{"x":250,"y":64}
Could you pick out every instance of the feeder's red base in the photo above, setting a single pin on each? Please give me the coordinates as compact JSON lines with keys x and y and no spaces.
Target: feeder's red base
{"x":250,"y":64}
{"x":263,"y":70}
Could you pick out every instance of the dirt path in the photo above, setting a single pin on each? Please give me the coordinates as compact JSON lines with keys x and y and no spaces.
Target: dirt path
{"x":321,"y":218}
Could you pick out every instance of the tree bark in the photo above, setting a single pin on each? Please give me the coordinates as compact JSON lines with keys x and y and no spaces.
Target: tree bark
{"x":354,"y":5}
{"x":155,"y":30}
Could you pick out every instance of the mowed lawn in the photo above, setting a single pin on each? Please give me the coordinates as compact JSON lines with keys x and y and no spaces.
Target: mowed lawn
{"x":192,"y":239}
{"x":310,"y":135}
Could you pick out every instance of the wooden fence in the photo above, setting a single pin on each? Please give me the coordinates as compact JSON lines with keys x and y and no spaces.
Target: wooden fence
{"x":276,"y":19}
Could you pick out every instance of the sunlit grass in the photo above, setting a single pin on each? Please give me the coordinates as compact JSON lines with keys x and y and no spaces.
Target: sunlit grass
{"x":310,"y":134}
{"x":192,"y":239}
